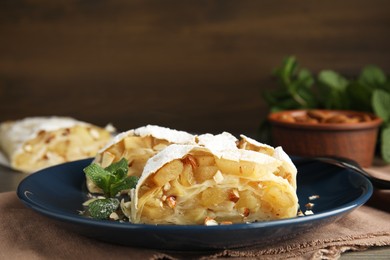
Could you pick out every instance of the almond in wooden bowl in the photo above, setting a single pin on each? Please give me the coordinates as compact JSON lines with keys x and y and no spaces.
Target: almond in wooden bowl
{"x":348,"y":134}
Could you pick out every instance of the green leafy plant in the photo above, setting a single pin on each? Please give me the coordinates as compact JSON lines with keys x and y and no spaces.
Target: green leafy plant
{"x":295,"y":88}
{"x":112,"y":180}
{"x":298,"y":88}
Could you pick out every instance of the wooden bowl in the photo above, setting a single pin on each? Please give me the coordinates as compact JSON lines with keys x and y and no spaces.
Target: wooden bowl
{"x":354,"y":138}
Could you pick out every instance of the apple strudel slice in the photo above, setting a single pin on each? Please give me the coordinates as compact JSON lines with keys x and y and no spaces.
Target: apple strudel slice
{"x":191,"y":184}
{"x":137,"y":146}
{"x":34,"y":143}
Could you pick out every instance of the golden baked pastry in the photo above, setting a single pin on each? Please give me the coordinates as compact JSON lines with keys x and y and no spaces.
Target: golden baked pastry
{"x":137,"y":146}
{"x":213,"y":181}
{"x":34,"y":143}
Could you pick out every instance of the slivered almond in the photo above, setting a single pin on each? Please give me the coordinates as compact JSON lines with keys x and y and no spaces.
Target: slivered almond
{"x":210,"y":222}
{"x":313,"y":197}
{"x":218,"y":178}
{"x":49,"y":138}
{"x":309,"y":205}
{"x":114,"y":216}
{"x":309,"y":212}
{"x":234,"y":195}
{"x":66,"y":132}
{"x":167,"y":186}
{"x":94,"y":133}
{"x":28,"y":148}
{"x":171,"y":200}
{"x":245,"y":212}
{"x":189,"y":159}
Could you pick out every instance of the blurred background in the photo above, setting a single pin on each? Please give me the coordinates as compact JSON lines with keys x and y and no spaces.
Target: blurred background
{"x":199,"y":66}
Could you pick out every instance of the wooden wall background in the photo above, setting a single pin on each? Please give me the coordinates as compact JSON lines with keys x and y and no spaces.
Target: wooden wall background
{"x":193,"y":65}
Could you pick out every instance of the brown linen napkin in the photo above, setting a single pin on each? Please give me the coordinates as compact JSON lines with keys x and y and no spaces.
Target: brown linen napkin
{"x":25,"y":234}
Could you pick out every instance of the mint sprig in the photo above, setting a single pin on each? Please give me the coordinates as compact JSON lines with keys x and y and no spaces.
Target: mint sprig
{"x":112,"y":179}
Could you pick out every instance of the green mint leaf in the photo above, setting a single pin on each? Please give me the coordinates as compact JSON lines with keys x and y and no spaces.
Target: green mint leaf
{"x":287,"y":71}
{"x":118,"y":169}
{"x":381,"y":104}
{"x":295,"y":87}
{"x":273,"y":97}
{"x":305,"y":78}
{"x":126,"y":184}
{"x":338,"y":100}
{"x":289,"y":66}
{"x":99,"y":176}
{"x":372,"y":76}
{"x":298,"y":85}
{"x":385,"y":145}
{"x":102,"y":208}
{"x":332,"y":80}
{"x":112,"y":179}
{"x":302,"y":89}
{"x":332,"y":87}
{"x":360,"y":96}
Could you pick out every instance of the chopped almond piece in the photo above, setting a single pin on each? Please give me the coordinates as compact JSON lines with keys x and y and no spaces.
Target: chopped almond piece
{"x":171,"y":200}
{"x":234,"y":195}
{"x":210,"y":222}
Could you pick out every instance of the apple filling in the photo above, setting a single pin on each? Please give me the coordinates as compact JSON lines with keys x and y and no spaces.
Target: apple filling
{"x":201,"y":186}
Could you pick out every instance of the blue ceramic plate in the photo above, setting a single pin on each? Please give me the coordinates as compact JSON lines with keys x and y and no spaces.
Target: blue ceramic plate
{"x":58,"y":192}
